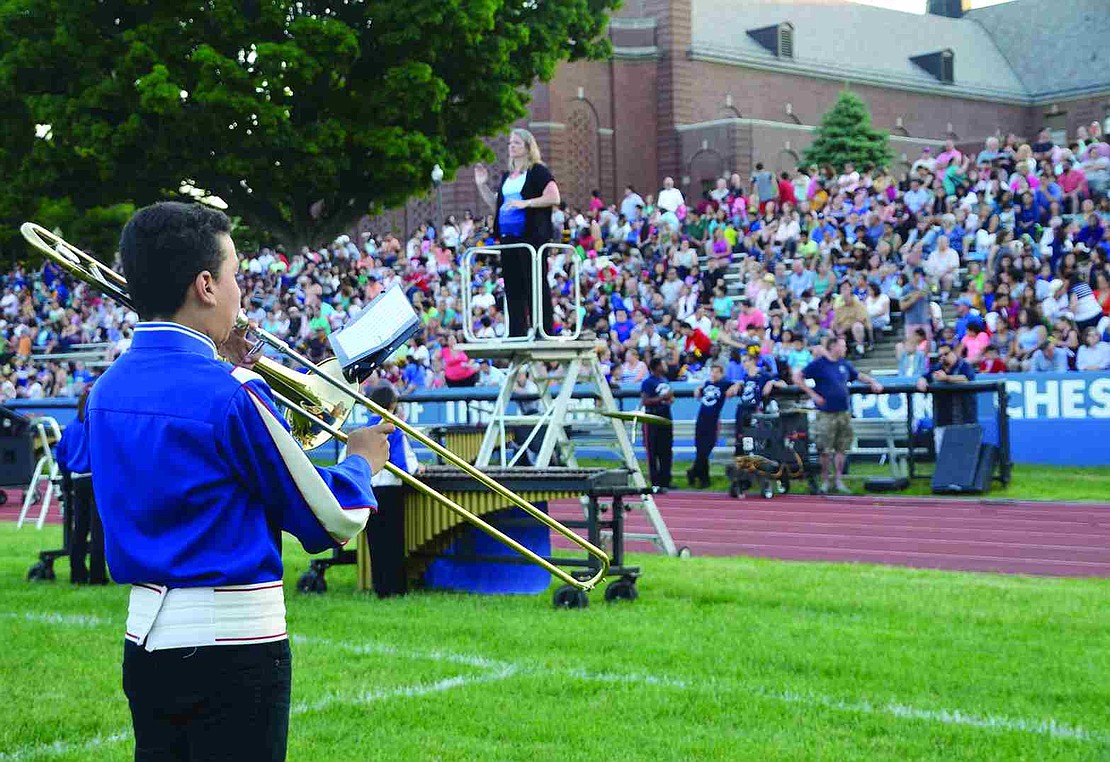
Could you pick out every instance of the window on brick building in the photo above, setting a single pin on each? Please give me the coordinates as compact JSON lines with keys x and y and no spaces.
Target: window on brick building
{"x":786,"y":40}
{"x":1057,"y":125}
{"x":777,"y":39}
{"x":941,"y":65}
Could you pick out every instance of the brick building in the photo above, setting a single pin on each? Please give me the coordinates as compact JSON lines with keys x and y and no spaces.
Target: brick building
{"x":699,"y":88}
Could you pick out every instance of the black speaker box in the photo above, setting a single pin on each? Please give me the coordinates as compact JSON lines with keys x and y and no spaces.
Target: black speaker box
{"x":988,"y":456}
{"x":958,"y":459}
{"x":12,"y":424}
{"x":17,"y":460}
{"x":886,"y":484}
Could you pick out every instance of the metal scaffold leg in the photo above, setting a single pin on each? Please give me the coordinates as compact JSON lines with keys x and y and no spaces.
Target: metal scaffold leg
{"x":548,"y":421}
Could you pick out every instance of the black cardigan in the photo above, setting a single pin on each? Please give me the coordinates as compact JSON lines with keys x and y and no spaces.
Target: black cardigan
{"x":537,"y":220}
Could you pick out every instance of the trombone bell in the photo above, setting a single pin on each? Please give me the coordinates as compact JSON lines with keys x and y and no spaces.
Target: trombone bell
{"x":312,"y":393}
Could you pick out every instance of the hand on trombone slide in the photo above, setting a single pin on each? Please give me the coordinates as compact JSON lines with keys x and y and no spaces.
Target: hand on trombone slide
{"x":372,"y":443}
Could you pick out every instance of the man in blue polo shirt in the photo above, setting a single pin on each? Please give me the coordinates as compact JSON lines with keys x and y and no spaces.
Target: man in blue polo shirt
{"x":831,"y":376}
{"x":965,"y":313}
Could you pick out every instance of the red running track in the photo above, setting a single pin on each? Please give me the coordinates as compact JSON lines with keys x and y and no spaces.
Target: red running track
{"x":1046,"y":539}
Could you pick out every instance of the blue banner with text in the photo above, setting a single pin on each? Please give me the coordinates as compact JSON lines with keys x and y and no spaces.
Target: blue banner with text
{"x":1055,"y":418}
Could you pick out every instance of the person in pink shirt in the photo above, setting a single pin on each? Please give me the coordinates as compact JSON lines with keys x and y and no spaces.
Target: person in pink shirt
{"x":1074,"y":185}
{"x":974,"y":342}
{"x":596,"y":204}
{"x":457,"y":367}
{"x":950,"y":155}
{"x":749,"y":316}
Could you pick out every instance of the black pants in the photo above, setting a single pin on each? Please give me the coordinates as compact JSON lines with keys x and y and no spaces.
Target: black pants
{"x":86,"y":522}
{"x":468,"y":381}
{"x":209,"y":704}
{"x":705,"y":437}
{"x":1083,"y":325}
{"x":659,"y":443}
{"x":385,"y":538}
{"x":516,"y":269}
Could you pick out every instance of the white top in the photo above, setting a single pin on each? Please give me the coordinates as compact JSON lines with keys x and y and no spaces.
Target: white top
{"x":1097,"y":357}
{"x":670,"y":199}
{"x":513,"y":185}
{"x":386,"y":478}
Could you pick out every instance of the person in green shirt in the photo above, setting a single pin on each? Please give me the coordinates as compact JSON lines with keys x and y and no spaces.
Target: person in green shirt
{"x":823,"y":283}
{"x":696,"y":229}
{"x":806,"y":247}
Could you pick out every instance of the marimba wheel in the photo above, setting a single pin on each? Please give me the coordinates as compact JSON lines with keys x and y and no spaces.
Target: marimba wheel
{"x":567,"y":597}
{"x":41,"y":571}
{"x":312,"y":582}
{"x":623,"y":589}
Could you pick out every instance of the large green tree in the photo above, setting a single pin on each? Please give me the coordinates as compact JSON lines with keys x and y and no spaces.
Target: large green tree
{"x":302,"y":115}
{"x":845,"y":134}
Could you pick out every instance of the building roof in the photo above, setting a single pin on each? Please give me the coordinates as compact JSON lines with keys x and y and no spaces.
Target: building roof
{"x":843,"y":40}
{"x":1055,"y":47}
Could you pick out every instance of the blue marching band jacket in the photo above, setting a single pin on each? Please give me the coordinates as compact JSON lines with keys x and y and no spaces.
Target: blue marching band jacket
{"x":72,"y":450}
{"x":400,"y":454}
{"x":196,"y":476}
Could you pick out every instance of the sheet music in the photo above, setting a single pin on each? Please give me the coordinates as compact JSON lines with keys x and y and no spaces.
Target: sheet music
{"x":379,"y":324}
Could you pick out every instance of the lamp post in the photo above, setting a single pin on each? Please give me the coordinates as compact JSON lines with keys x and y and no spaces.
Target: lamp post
{"x":437,"y":181}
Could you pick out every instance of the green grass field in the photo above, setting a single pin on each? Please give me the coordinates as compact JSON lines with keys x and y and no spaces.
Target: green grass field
{"x":719,"y":659}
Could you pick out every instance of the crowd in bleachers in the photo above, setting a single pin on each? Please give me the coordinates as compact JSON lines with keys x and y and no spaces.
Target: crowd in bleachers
{"x":1015,"y":236}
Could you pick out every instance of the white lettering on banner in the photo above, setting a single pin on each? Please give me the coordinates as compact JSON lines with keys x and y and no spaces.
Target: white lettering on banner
{"x":1049,"y":399}
{"x":1071,"y":398}
{"x":1013,"y":389}
{"x":1099,"y":394}
{"x":890,"y":406}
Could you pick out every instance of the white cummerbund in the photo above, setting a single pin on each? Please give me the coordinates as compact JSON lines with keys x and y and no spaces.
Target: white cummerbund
{"x":188,"y":617}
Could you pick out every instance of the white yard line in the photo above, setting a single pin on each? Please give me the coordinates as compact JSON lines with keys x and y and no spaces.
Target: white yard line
{"x":73,"y":620}
{"x":493,"y":670}
{"x":404,"y":691}
{"x":1050,"y":728}
{"x":58,"y":748}
{"x":383,"y":649}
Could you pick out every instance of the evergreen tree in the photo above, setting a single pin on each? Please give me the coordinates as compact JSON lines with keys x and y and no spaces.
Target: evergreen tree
{"x":846,"y":135}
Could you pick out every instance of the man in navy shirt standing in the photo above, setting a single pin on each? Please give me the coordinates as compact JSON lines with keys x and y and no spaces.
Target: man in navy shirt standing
{"x":712,"y":395}
{"x":656,"y":395}
{"x":949,"y":408}
{"x":751,"y":391}
{"x":831,"y":376}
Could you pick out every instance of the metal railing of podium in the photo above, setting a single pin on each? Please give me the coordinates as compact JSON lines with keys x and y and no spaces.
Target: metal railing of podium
{"x":539,"y":259}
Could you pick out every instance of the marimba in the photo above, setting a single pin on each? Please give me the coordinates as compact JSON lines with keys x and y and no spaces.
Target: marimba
{"x":464,"y":439}
{"x":432,"y":531}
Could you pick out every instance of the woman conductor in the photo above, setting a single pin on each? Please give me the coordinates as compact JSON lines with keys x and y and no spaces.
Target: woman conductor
{"x":522,"y":214}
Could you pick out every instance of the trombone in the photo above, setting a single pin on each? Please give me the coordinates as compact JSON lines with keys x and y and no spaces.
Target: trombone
{"x":319,"y":401}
